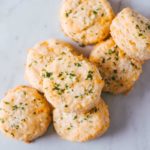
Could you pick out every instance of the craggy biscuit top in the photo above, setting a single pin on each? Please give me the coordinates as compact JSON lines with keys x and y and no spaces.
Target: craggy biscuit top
{"x":24,"y":114}
{"x":72,"y":83}
{"x":86,"y":21}
{"x":82,"y":127}
{"x":40,"y":56}
{"x":131,"y":32}
{"x":118,"y":70}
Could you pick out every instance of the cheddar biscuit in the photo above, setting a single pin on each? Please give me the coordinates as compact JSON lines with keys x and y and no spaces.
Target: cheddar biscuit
{"x":131,"y":32}
{"x":40,"y":56}
{"x":82,"y":127}
{"x":72,"y":83}
{"x":86,"y":21}
{"x":24,"y":114}
{"x":118,"y":70}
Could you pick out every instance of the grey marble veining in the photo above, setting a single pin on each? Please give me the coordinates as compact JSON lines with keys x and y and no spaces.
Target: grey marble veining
{"x":25,"y":22}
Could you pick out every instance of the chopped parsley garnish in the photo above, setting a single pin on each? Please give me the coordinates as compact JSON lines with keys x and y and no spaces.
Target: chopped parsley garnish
{"x":75,"y":117}
{"x":2,"y":120}
{"x":58,"y":89}
{"x":111,"y":51}
{"x":77,"y":64}
{"x":14,"y":107}
{"x":94,"y":12}
{"x":66,"y":86}
{"x":140,"y":34}
{"x":25,"y":93}
{"x":90,"y":75}
{"x":17,"y":127}
{"x":47,"y":74}
{"x":71,"y":75}
{"x":61,"y":76}
{"x":68,"y":128}
{"x":76,"y":96}
{"x":7,"y":103}
{"x":68,"y":13}
{"x":137,"y":26}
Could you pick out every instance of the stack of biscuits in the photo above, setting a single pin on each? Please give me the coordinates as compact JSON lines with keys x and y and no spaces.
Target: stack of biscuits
{"x":66,"y":86}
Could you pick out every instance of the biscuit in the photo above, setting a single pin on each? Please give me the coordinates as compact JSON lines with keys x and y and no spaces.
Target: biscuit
{"x":24,"y":114}
{"x":118,"y":70}
{"x":72,"y":83}
{"x":131,"y":32}
{"x":86,"y":21}
{"x":40,"y":56}
{"x":82,"y":127}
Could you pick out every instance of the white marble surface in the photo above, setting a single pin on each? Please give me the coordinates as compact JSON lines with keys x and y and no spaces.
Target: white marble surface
{"x":25,"y":22}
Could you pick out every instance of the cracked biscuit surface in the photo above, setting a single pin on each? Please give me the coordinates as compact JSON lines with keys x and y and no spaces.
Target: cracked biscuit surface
{"x":131,"y":32}
{"x":118,"y":70}
{"x":82,"y":127}
{"x":24,"y":114}
{"x":72,"y":83}
{"x":40,"y":56}
{"x":86,"y":21}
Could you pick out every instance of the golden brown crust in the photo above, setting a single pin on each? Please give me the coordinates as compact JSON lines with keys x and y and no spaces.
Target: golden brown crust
{"x":73,"y":84}
{"x":24,"y":114}
{"x":82,"y":127}
{"x":131,"y":32}
{"x":118,"y":70}
{"x":42,"y":55}
{"x":86,"y":22}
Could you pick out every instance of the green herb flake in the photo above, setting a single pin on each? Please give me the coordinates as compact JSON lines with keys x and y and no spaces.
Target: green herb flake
{"x":89,"y":75}
{"x":75,"y":117}
{"x":58,"y":89}
{"x":24,"y":93}
{"x":68,"y":13}
{"x":7,"y":103}
{"x":113,"y":78}
{"x":47,"y":74}
{"x":71,"y":75}
{"x":60,"y":74}
{"x":111,"y":51}
{"x":17,"y":127}
{"x":68,"y":128}
{"x":137,"y":26}
{"x":94,"y":12}
{"x":77,"y":64}
{"x":140,"y":34}
{"x":15,"y":107}
{"x":2,"y":120}
{"x":76,"y":96}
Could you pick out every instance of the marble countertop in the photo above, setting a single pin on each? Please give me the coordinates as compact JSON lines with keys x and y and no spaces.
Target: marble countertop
{"x":25,"y":22}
